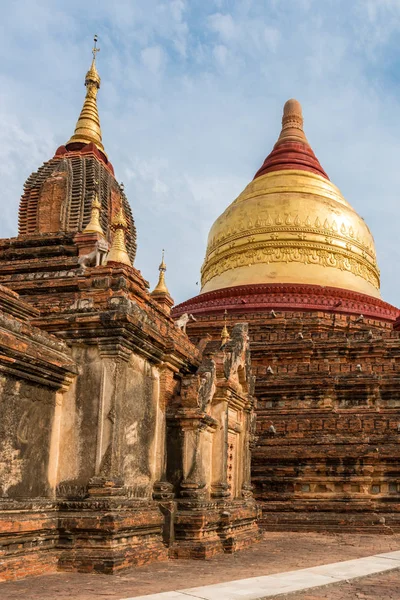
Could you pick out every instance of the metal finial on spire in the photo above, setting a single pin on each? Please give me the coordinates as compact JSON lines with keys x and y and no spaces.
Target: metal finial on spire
{"x":95,"y":49}
{"x":88,"y":128}
{"x":161,"y":287}
{"x":163,"y":266}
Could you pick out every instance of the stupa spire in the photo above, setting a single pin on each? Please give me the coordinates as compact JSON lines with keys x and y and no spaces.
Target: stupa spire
{"x":292,"y":123}
{"x":118,"y":252}
{"x":161,"y":287}
{"x":88,"y":128}
{"x":94,"y":225}
{"x":292,"y":150}
{"x":161,"y":293}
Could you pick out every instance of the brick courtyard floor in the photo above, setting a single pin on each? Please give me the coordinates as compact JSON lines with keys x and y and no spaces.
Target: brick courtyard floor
{"x":278,"y":552}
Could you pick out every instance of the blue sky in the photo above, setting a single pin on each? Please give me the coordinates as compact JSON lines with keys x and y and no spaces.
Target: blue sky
{"x":190,"y":104}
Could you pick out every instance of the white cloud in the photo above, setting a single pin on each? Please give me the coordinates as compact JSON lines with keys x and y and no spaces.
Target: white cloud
{"x":223,"y":25}
{"x":177,"y":8}
{"x":221,"y":54}
{"x":153,"y":58}
{"x":272,"y":37}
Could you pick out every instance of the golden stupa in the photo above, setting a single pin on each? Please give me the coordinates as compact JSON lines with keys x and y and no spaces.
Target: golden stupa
{"x":291,"y":225}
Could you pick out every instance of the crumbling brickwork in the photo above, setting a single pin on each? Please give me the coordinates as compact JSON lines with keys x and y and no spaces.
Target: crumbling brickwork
{"x":35,"y":370}
{"x":58,"y":196}
{"x":210,"y":436}
{"x":118,"y":385}
{"x":328,"y":421}
{"x":121,"y":441}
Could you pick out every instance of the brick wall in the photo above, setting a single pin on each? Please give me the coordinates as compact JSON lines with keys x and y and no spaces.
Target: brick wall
{"x":328,"y":418}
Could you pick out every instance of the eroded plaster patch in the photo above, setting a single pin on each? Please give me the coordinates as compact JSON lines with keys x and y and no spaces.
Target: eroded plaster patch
{"x":10,"y":467}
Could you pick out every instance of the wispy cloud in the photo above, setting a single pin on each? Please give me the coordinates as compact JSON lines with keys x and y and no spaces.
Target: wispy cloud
{"x":191,"y":103}
{"x":153,"y":58}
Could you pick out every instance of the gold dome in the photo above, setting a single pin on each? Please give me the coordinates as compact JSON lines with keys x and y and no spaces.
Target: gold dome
{"x":291,"y":225}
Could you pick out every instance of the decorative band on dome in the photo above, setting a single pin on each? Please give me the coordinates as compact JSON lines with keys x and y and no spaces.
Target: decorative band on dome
{"x":258,"y":298}
{"x":291,"y":155}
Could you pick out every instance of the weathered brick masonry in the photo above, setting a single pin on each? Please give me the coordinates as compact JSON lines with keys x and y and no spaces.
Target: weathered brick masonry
{"x":328,"y":421}
{"x":35,"y":370}
{"x":121,"y":442}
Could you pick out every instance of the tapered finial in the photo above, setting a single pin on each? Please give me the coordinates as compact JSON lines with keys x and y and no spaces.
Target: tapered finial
{"x":95,"y":49}
{"x":292,"y":123}
{"x":162,"y":266}
{"x":161,"y":287}
{"x":118,"y":252}
{"x":88,"y":128}
{"x":225,"y":337}
{"x":292,"y":150}
{"x":94,"y":225}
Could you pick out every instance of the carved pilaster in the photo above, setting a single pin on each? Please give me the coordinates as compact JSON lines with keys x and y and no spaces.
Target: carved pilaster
{"x":219,"y":485}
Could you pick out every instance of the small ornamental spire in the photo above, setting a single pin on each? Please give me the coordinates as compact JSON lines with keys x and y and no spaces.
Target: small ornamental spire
{"x":118,"y":252}
{"x":225,"y":337}
{"x":94,"y":224}
{"x":161,"y":287}
{"x":88,"y":128}
{"x":161,"y":293}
